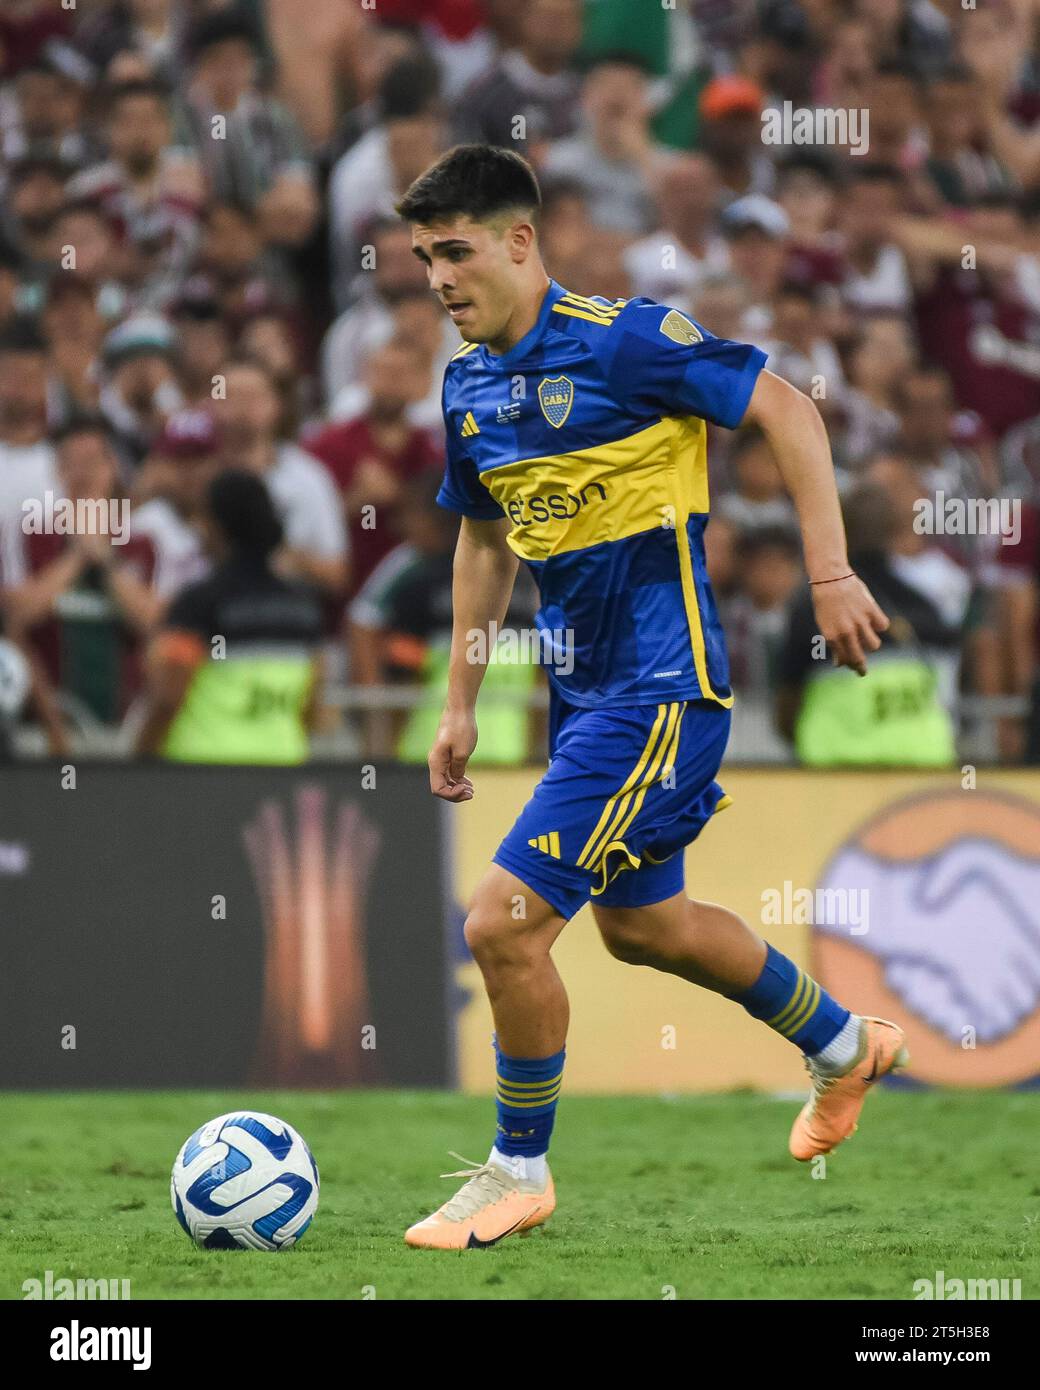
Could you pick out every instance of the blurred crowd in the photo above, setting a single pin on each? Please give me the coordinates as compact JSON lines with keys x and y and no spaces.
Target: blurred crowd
{"x":201,"y":269}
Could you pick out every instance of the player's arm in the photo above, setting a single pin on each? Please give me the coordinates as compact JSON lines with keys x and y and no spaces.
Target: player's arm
{"x":482,"y":583}
{"x":655,"y":358}
{"x":848,"y":618}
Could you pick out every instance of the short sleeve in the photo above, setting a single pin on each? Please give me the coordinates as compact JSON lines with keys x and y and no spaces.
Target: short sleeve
{"x":462,"y":491}
{"x":657,"y":359}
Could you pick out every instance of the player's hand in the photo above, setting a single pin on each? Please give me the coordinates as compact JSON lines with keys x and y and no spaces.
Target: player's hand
{"x":455,"y":741}
{"x":849,"y":620}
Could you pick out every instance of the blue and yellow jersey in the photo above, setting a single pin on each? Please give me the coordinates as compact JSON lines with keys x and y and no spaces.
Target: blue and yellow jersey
{"x":589,"y":436}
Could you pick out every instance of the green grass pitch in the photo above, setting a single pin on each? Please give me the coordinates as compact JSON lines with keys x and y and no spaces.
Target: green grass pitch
{"x":691,"y":1194}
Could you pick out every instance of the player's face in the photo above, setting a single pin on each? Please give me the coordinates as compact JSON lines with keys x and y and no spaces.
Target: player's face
{"x":472,"y":268}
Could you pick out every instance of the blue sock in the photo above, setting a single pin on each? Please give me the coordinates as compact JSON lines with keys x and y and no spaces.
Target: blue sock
{"x":527,"y":1092}
{"x":788,"y":1000}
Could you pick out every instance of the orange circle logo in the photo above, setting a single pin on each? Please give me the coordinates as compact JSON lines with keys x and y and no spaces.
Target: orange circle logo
{"x":950,"y":948}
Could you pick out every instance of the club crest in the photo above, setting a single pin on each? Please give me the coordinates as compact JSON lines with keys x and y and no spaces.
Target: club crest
{"x":556,"y":396}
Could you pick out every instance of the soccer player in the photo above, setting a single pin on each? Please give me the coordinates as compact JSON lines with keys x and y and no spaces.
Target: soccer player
{"x":576,"y":443}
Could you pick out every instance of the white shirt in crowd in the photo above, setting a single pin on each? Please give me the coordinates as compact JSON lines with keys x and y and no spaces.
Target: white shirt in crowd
{"x":27,"y":472}
{"x":661,"y":268}
{"x":180,"y":558}
{"x":308,"y":503}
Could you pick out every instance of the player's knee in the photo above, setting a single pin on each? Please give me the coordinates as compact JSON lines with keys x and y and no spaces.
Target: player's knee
{"x":494,"y":938}
{"x":630,"y":943}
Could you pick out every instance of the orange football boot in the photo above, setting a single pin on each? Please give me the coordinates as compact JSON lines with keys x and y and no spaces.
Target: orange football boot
{"x":831,"y":1112}
{"x":490,"y":1206}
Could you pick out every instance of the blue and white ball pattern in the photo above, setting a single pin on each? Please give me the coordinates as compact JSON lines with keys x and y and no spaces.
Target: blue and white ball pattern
{"x":246,"y":1181}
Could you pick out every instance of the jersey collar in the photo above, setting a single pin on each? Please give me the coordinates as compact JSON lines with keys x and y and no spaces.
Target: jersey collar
{"x":553,"y":295}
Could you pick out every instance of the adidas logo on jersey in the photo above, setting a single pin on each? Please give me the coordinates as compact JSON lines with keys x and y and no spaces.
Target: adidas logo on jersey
{"x":469,"y":425}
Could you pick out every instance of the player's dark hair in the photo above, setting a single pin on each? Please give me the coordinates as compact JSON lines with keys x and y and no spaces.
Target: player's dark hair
{"x":241,"y":506}
{"x":478,"y":181}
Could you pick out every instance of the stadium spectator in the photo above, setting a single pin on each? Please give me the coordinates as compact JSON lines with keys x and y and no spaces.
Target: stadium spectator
{"x":799,"y":349}
{"x":45,"y":118}
{"x":530,"y":95}
{"x":149,"y":188}
{"x":672,"y":262}
{"x":140,"y":389}
{"x":731,"y":136}
{"x":27,"y":29}
{"x":203,"y":343}
{"x":368,"y":179}
{"x":269,"y":336}
{"x":896,"y":717}
{"x":903,"y":285}
{"x":75,"y":330}
{"x":980,"y":321}
{"x":755,"y":617}
{"x":250,"y":146}
{"x":758,"y":498}
{"x":35,"y":196}
{"x":960,"y":163}
{"x":250,"y":417}
{"x":231,"y":266}
{"x":10,"y":297}
{"x":420,"y":321}
{"x":150,"y":28}
{"x":808,"y":191}
{"x":613,"y":158}
{"x":880,"y":356}
{"x":949,"y":446}
{"x":27,"y":468}
{"x":96,"y":256}
{"x":373,"y":455}
{"x":87,"y":597}
{"x":173,"y":481}
{"x":260,"y":705}
{"x":400,"y":626}
{"x":368,"y":322}
{"x":758,"y":235}
{"x":876,"y":275}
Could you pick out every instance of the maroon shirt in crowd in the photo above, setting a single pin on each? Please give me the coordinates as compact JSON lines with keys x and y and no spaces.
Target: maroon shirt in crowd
{"x":342,"y":448}
{"x":990,"y":346}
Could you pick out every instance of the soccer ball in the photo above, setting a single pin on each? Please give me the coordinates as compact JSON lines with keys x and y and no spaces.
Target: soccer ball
{"x":245,"y":1181}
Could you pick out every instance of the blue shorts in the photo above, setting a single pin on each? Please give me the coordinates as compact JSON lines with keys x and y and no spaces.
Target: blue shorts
{"x":625,"y":792}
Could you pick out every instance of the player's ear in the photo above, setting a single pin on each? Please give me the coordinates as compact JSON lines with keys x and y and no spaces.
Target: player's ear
{"x":520,"y":239}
